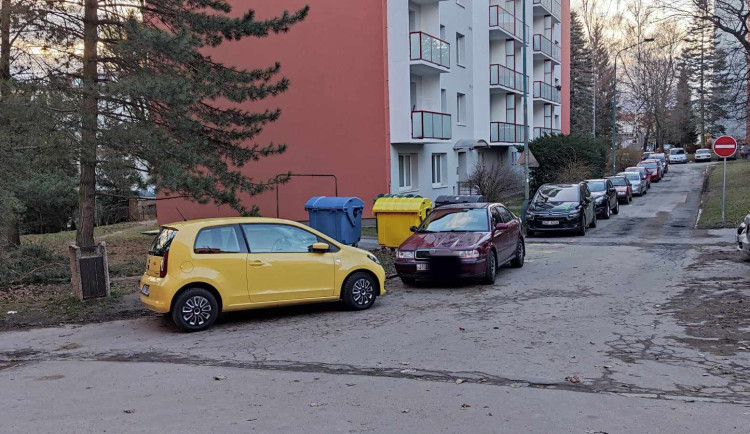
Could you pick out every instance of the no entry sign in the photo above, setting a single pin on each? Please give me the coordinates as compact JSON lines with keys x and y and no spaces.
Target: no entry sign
{"x":725,"y":146}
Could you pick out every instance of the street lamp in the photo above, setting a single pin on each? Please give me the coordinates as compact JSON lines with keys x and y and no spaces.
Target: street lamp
{"x":614,"y":103}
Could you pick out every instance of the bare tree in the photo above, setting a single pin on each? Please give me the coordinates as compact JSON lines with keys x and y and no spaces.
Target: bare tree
{"x":496,"y":182}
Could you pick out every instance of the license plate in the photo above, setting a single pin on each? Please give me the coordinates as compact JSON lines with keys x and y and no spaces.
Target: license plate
{"x":550,"y":222}
{"x":144,"y":290}
{"x":422,"y":267}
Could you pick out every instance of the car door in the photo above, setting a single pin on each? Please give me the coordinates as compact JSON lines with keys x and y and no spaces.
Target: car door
{"x":497,"y":235}
{"x":281,"y":267}
{"x":220,"y":256}
{"x":511,"y":234}
{"x":611,"y":194}
{"x":588,"y":203}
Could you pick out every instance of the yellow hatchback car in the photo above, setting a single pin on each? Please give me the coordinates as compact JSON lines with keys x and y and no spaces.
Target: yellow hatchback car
{"x":197,"y":269}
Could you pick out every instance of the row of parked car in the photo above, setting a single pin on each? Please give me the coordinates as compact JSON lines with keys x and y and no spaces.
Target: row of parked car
{"x":465,"y":240}
{"x":576,"y":207}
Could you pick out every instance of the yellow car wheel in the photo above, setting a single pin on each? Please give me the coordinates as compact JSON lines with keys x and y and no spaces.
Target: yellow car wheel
{"x":195,"y":309}
{"x":360,"y":290}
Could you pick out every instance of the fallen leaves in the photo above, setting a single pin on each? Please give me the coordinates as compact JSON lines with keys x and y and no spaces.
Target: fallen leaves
{"x":573,"y":379}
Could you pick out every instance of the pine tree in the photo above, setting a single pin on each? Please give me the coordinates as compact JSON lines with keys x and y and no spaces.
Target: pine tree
{"x":603,"y":71}
{"x":581,"y":79}
{"x":682,"y":123}
{"x":719,"y":93}
{"x":149,"y":97}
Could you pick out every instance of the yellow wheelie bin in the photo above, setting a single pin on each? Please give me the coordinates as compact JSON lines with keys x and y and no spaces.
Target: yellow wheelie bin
{"x":396,"y":215}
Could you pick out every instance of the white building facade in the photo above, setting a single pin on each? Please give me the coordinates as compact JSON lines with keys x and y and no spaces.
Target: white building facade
{"x":456,"y":83}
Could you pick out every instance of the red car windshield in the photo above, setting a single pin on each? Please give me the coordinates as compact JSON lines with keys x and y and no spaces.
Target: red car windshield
{"x":648,"y":165}
{"x":457,"y":220}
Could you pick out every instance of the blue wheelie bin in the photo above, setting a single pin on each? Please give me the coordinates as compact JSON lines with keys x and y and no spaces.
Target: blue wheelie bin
{"x":338,"y":217}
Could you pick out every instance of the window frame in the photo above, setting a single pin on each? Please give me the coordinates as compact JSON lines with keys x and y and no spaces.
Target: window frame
{"x":332,"y":248}
{"x":461,"y":108}
{"x":441,"y":162}
{"x":460,"y":49}
{"x":241,"y":241}
{"x":402,"y":174}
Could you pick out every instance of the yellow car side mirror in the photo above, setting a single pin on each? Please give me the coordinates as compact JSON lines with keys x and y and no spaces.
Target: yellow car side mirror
{"x":319,"y":247}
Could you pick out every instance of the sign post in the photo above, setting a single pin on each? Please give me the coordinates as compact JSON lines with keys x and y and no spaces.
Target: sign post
{"x":724,"y":146}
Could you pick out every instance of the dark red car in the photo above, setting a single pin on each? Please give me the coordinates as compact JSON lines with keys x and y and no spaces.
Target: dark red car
{"x":654,"y":169}
{"x":623,"y":187}
{"x":462,"y":240}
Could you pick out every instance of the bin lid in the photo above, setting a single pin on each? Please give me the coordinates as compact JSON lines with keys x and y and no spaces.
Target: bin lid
{"x":401,"y":204}
{"x":334,"y":203}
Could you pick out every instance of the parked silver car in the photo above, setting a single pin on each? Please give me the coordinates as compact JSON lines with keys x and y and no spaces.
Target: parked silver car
{"x":743,"y":237}
{"x":637,"y":182}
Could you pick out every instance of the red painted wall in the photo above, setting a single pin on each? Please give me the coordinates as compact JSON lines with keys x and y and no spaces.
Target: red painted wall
{"x":565,"y":21}
{"x":334,"y":115}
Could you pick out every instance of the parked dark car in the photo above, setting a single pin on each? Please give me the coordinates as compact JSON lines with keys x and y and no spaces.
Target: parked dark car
{"x":664,"y":161}
{"x":462,"y":240}
{"x":605,"y":197}
{"x":624,"y":188}
{"x":561,"y":207}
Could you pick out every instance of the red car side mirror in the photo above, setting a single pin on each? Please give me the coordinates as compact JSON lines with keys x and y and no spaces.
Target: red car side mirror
{"x":501,"y":226}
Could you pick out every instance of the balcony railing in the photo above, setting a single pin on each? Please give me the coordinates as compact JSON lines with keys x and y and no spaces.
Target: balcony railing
{"x":500,"y":18}
{"x":501,"y":75}
{"x":430,"y":125}
{"x":546,"y":91}
{"x":552,"y":6}
{"x":539,"y":132}
{"x":504,"y":132}
{"x":430,"y":49}
{"x":542,"y":44}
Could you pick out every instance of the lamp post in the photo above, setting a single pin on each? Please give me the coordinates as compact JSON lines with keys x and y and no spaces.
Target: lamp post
{"x":614,"y":103}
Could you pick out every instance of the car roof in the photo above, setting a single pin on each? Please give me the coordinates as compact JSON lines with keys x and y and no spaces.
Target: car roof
{"x":225,"y":221}
{"x":596,"y":179}
{"x":702,"y":150}
{"x":561,"y":185}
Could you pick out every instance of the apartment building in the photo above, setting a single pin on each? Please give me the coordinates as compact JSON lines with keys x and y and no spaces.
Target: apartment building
{"x":401,"y":96}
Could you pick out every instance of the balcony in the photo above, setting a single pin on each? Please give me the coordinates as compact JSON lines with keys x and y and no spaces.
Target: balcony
{"x":547,"y":92}
{"x":548,"y":7}
{"x":504,"y":24}
{"x":503,"y":78}
{"x":545,"y":48}
{"x":539,"y":132}
{"x":503,"y":132}
{"x":430,"y":125}
{"x":429,"y":54}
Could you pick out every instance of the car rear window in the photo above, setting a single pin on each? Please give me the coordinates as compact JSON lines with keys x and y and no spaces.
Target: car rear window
{"x":554,"y":193}
{"x":161,"y":243}
{"x":649,"y":165}
{"x":218,"y":239}
{"x":597,"y":185}
{"x":677,"y":152}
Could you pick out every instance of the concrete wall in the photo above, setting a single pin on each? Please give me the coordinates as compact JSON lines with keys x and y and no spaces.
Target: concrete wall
{"x":334,"y":115}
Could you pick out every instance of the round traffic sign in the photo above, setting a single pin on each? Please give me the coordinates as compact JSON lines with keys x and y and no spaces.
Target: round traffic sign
{"x":725,"y":146}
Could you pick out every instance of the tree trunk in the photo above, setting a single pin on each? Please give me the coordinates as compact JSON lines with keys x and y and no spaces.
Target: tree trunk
{"x":89,"y":117}
{"x":10,"y":234}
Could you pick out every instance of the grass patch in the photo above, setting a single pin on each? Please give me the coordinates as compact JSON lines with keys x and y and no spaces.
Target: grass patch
{"x":738,"y":198}
{"x":369,"y":232}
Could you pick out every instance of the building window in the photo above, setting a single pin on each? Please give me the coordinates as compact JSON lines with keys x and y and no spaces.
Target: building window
{"x":510,"y":109}
{"x":406,"y":172}
{"x":548,"y":71}
{"x":460,"y":49}
{"x":443,"y":101}
{"x":548,"y":115}
{"x":548,"y":26}
{"x":439,"y":169}
{"x":460,"y":109}
{"x":510,"y":54}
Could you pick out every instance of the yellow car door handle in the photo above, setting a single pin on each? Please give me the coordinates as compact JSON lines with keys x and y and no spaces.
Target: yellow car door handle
{"x":256,"y":263}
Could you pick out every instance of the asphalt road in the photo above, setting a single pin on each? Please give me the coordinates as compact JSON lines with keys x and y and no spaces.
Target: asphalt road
{"x":640,"y":326}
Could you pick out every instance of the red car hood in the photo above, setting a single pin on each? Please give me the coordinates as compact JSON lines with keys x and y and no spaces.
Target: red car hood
{"x":444,"y":240}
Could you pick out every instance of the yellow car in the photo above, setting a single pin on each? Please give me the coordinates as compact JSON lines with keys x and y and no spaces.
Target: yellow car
{"x":200,"y":268}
